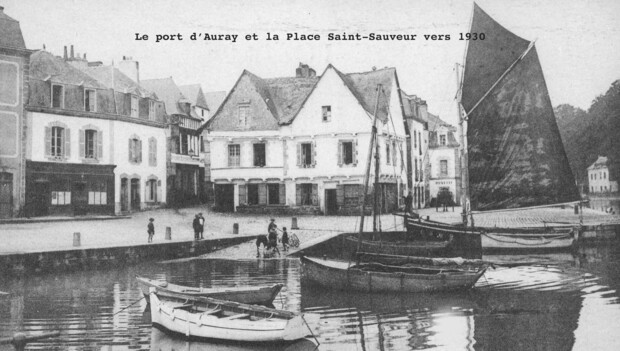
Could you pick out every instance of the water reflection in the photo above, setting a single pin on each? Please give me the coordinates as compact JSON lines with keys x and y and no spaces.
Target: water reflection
{"x":569,"y":302}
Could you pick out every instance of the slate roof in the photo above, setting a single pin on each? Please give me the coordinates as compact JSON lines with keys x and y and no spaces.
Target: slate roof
{"x":45,"y":66}
{"x":409,"y":102}
{"x":601,"y":161}
{"x":10,"y":32}
{"x":288,"y":95}
{"x":194,"y":93}
{"x":434,"y":122}
{"x":113,"y":78}
{"x":364,"y":87}
{"x":167,"y":91}
{"x":214,"y":99}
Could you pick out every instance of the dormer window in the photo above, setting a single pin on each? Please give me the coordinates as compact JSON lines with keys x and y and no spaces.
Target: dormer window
{"x":58,"y":96}
{"x":327,"y":113}
{"x":134,"y":106}
{"x":90,"y":100}
{"x":151,"y":110}
{"x":442,"y":140}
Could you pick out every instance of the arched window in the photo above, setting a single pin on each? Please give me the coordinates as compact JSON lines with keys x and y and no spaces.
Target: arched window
{"x":57,"y":141}
{"x":91,"y":143}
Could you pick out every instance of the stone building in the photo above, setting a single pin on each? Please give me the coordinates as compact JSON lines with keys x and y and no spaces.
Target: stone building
{"x":444,"y":173}
{"x":14,"y":65}
{"x":602,"y":177}
{"x":299,"y":144}
{"x":416,"y":115}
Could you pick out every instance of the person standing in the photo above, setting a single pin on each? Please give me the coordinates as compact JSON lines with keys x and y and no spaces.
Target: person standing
{"x":201,"y":219}
{"x":196,"y":225}
{"x":284,"y":239}
{"x":150,"y":229}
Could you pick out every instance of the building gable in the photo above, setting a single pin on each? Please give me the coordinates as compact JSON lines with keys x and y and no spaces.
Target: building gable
{"x":246,"y":108}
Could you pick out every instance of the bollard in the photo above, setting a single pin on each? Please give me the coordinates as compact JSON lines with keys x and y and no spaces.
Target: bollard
{"x":168,"y":233}
{"x":294,"y":223}
{"x":76,"y":239}
{"x":235,"y":228}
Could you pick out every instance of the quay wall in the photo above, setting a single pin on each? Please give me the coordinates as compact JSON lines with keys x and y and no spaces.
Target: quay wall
{"x":93,"y":258}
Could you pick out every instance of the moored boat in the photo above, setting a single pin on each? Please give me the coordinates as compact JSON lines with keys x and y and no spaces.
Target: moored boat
{"x":394,"y":244}
{"x":203,"y":317}
{"x":378,"y":277}
{"x":262,"y":295}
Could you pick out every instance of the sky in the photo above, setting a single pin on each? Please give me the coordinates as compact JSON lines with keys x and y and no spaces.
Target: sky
{"x":578,"y":41}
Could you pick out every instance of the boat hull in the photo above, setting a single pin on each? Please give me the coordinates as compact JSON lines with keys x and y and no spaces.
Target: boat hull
{"x":251,"y":295}
{"x":329,"y":275}
{"x":406,"y":248}
{"x":166,"y":315}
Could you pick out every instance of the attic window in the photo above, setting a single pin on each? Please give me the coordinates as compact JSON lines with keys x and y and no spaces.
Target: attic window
{"x":58,"y":96}
{"x":151,"y":110}
{"x":90,"y":100}
{"x":134,"y":106}
{"x":244,"y":116}
{"x":442,"y":139}
{"x":327,"y":113}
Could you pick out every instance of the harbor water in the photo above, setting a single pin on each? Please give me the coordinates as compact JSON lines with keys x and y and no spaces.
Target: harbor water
{"x":571,"y":303}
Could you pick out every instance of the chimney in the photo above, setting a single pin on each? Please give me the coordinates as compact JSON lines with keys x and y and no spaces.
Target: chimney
{"x":304,"y":71}
{"x":1,"y":9}
{"x":72,"y":52}
{"x":130,"y":68}
{"x":65,"y":54}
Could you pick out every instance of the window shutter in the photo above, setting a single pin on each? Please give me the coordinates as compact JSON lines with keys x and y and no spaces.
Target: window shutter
{"x":99,"y":137}
{"x":67,"y":133}
{"x":48,"y":141}
{"x":340,"y":153}
{"x":130,"y":151}
{"x":298,"y":154}
{"x":340,"y":194}
{"x":266,"y":154}
{"x":355,"y":153}
{"x":262,"y":194}
{"x":315,"y":194}
{"x":242,"y":195}
{"x":282,"y":193}
{"x":139,"y":158}
{"x":298,"y":194}
{"x":394,"y":153}
{"x":313,"y":154}
{"x":82,"y":143}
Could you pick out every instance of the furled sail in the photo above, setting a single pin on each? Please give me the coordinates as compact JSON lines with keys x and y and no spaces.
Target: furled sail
{"x":516,"y":155}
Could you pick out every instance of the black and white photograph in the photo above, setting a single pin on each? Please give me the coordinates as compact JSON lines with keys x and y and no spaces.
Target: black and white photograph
{"x":309,"y":175}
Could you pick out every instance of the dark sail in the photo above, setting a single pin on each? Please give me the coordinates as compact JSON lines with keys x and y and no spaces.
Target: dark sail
{"x":516,"y":155}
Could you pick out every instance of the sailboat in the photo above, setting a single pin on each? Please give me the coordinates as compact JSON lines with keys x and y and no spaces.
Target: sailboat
{"x":377,"y":276}
{"x":512,"y":155}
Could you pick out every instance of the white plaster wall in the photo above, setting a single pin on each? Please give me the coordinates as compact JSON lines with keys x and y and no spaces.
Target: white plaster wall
{"x":599,"y":181}
{"x":437,"y":155}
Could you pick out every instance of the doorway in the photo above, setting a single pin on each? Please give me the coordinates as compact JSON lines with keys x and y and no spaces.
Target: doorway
{"x":135,"y":194}
{"x":40,"y":199}
{"x":124,"y":195}
{"x":80,"y":198}
{"x":225,"y":197}
{"x":6,"y":195}
{"x":331,"y":203}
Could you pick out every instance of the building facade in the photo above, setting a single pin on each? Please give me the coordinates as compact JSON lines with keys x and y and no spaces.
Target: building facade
{"x":444,"y":173}
{"x":85,"y":152}
{"x":601,"y":177}
{"x":299,"y":144}
{"x":186,"y":168}
{"x":416,"y":115}
{"x":14,"y":66}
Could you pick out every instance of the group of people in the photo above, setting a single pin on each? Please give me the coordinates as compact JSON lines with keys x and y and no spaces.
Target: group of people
{"x":270,"y":241}
{"x":199,"y":226}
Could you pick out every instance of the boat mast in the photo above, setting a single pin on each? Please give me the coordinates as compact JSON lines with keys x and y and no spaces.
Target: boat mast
{"x":371,"y":142}
{"x":463,"y":152}
{"x":376,"y":187}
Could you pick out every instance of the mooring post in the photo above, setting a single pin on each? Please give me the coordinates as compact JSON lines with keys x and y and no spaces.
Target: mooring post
{"x":235,"y":228}
{"x":294,"y":223}
{"x":168,"y":233}
{"x":76,"y":239}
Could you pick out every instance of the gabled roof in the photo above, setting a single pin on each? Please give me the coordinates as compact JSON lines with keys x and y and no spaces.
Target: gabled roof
{"x":214,"y":99}
{"x":194,"y":93}
{"x":45,"y":66}
{"x":10,"y":32}
{"x":288,"y":95}
{"x":409,"y":102}
{"x":601,"y":161}
{"x":434,"y":123}
{"x":167,"y":90}
{"x":113,"y":78}
{"x":364,"y":87}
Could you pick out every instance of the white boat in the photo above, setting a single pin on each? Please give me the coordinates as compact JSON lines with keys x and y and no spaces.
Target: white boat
{"x":203,"y":317}
{"x":529,"y":242}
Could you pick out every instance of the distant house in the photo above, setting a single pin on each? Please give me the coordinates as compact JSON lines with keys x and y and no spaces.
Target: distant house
{"x":299,"y":144}
{"x":415,"y":110}
{"x":196,"y":97}
{"x":444,"y":162}
{"x":186,"y":168}
{"x":14,"y":60}
{"x":602,"y":177}
{"x":96,"y":142}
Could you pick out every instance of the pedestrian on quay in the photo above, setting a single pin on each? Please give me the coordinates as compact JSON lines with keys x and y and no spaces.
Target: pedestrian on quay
{"x":284,"y":239}
{"x":272,"y":225}
{"x":196,"y":225}
{"x":408,"y":203}
{"x":150,"y":229}
{"x":201,"y":219}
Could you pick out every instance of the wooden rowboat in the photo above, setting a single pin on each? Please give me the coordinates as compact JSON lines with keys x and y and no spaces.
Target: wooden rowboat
{"x":378,"y":277}
{"x":262,"y":295}
{"x":394,"y":244}
{"x":203,"y":317}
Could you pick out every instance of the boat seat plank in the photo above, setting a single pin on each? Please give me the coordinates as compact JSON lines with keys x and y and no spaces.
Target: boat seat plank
{"x":185,"y":305}
{"x":213,"y":311}
{"x":237,"y":316}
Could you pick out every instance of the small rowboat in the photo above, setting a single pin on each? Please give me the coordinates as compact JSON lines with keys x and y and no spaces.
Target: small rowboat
{"x":262,"y":295}
{"x":397,"y":245}
{"x":203,"y":317}
{"x":378,"y":277}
